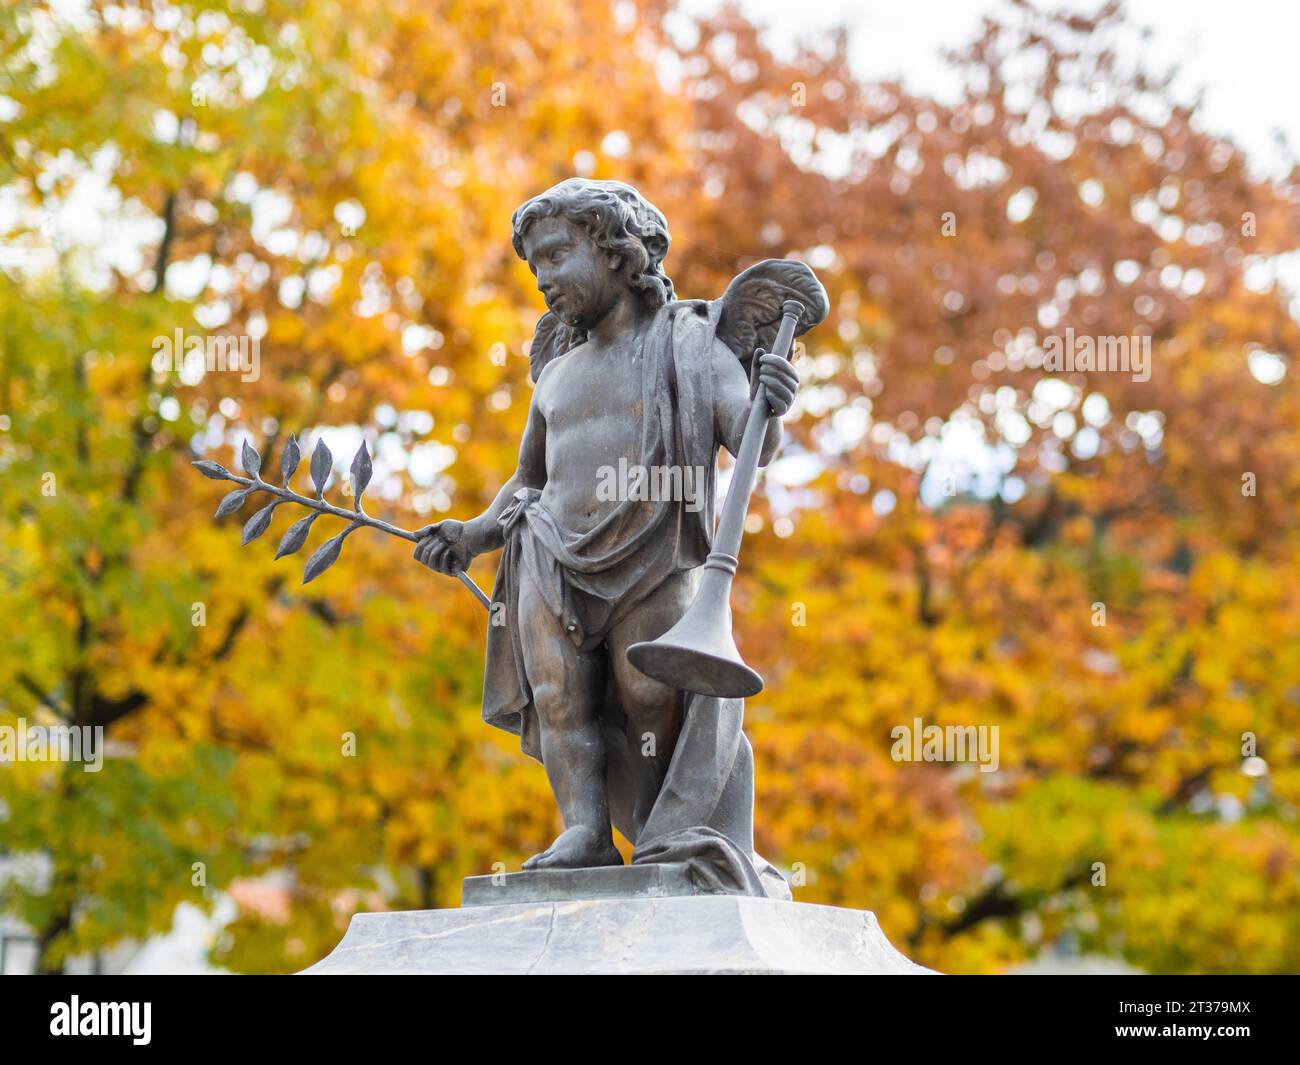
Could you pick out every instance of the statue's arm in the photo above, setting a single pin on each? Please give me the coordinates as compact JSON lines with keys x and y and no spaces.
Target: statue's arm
{"x":731,"y":405}
{"x":450,"y":546}
{"x":484,"y":532}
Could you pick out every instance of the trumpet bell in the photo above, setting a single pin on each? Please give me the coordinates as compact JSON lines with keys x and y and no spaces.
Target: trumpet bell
{"x":694,"y":670}
{"x":699,"y":654}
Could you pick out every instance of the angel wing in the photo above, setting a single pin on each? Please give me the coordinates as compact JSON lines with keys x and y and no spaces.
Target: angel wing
{"x":751,"y":306}
{"x":551,"y":339}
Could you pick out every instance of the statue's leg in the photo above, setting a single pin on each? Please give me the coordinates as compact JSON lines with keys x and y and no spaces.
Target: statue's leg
{"x":567,"y":686}
{"x":654,"y":710}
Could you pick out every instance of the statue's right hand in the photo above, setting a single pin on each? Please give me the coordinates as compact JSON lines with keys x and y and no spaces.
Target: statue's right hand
{"x":443,"y":546}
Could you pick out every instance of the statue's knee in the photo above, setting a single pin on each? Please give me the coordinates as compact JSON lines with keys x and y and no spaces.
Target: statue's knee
{"x":649,"y":705}
{"x":563,"y":705}
{"x":549,"y":699}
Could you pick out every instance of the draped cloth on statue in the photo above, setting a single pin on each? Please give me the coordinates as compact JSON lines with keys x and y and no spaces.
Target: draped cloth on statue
{"x":703,"y":815}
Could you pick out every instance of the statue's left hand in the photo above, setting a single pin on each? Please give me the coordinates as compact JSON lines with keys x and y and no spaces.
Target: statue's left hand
{"x":781,"y":380}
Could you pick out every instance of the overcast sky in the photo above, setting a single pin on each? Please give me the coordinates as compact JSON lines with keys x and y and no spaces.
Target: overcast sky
{"x":1242,"y":52}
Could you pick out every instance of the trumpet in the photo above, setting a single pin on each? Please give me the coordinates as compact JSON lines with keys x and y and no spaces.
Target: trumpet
{"x":699,"y":653}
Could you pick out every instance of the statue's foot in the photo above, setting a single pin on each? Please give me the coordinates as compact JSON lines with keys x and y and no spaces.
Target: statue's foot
{"x":579,"y":847}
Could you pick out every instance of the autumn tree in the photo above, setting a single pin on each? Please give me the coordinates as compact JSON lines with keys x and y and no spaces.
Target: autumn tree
{"x":1096,"y":564}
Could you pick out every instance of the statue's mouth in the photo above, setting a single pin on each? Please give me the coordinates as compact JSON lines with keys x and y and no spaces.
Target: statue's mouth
{"x":559,"y":306}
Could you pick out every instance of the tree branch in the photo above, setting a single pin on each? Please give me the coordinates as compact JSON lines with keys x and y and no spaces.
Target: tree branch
{"x":43,"y":697}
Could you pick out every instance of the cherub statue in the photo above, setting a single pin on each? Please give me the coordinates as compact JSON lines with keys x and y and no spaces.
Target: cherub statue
{"x":625,"y":372}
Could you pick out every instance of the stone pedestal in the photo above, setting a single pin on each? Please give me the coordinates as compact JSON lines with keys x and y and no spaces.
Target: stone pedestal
{"x":655,"y":924}
{"x":575,"y":885}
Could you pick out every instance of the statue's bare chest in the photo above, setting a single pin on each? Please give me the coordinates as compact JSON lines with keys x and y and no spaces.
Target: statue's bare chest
{"x":596,"y":386}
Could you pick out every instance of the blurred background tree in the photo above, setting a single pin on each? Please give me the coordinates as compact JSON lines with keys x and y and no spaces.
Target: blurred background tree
{"x":335,"y":183}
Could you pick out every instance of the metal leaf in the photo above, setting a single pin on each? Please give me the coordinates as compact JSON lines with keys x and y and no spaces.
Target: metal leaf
{"x":212,"y":469}
{"x":289,"y":458}
{"x":361,"y":471}
{"x":259,"y":522}
{"x":296,"y":535}
{"x":233,"y":501}
{"x":321,"y":464}
{"x":325,"y":556}
{"x":251,"y":459}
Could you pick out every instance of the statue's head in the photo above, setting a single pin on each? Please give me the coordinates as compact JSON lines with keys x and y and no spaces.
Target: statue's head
{"x":589,"y":244}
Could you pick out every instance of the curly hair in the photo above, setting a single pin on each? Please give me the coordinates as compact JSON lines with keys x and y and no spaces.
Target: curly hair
{"x":619,"y":220}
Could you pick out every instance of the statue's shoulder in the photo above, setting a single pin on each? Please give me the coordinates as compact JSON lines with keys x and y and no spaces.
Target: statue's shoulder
{"x":693,"y":322}
{"x":551,"y":339}
{"x":544,"y":376}
{"x":685,"y":329}
{"x":687,"y":310}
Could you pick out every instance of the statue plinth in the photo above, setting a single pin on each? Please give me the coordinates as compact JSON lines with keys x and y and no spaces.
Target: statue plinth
{"x":578,"y":885}
{"x":650,"y":920}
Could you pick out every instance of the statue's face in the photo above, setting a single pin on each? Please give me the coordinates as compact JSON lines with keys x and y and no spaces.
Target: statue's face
{"x":579,"y":282}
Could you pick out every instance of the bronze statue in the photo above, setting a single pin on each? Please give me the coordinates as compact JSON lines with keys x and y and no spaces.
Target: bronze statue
{"x":630,"y":377}
{"x":632,"y":701}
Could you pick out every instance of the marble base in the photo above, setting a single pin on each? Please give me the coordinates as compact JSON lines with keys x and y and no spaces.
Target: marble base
{"x":642,"y":935}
